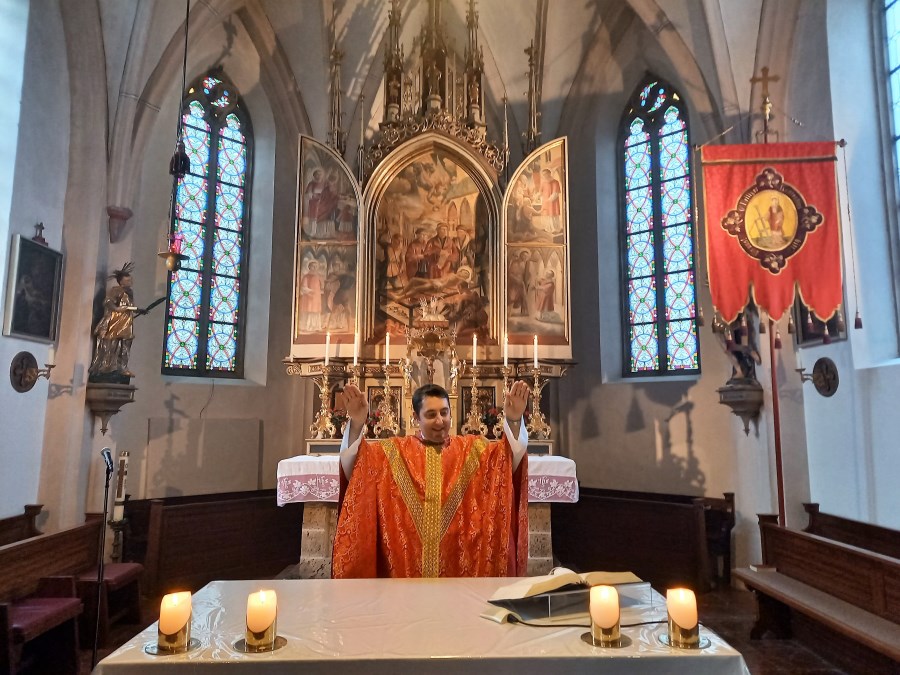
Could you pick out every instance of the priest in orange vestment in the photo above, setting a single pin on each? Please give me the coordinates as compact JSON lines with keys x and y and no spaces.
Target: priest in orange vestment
{"x":433,"y":505}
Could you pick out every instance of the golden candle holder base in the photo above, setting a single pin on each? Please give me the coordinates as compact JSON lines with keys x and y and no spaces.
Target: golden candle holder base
{"x":473,"y":423}
{"x":322,"y":426}
{"x":387,"y":424}
{"x":245,"y":648}
{"x":155,"y":649}
{"x":616,"y":643}
{"x":507,"y":372}
{"x":355,"y":372}
{"x":538,"y":429}
{"x":684,"y":638}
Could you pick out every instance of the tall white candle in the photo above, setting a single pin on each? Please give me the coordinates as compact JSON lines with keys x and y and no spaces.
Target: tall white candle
{"x":535,"y":352}
{"x":327,"y":346}
{"x":262,"y":608}
{"x":474,"y":351}
{"x":505,"y":350}
{"x":355,"y":348}
{"x":682,"y":606}
{"x":174,"y":612}
{"x":51,"y":355}
{"x":604,"y":606}
{"x":387,"y":349}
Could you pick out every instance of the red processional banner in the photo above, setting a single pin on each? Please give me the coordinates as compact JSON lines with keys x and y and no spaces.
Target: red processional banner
{"x":772,"y":226}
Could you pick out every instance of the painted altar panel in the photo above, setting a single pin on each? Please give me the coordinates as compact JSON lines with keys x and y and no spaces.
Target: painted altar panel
{"x":536,"y":211}
{"x":327,"y":240}
{"x":432,"y":246}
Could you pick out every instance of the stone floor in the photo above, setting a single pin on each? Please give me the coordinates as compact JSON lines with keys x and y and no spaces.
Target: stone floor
{"x":728,"y":612}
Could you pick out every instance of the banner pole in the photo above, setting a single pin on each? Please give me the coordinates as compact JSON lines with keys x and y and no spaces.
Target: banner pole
{"x":776,"y":424}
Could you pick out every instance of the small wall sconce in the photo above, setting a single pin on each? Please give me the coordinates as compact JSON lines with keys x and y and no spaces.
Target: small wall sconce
{"x":824,"y":376}
{"x":24,"y":372}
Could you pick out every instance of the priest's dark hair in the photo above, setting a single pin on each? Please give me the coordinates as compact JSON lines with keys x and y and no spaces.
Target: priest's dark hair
{"x":435,"y":390}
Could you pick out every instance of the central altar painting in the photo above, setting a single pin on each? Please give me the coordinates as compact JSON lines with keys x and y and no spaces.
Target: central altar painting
{"x":431,"y":246}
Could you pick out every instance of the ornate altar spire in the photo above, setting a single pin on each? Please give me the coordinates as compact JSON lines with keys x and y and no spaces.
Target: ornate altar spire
{"x":474,"y":69}
{"x":435,"y":87}
{"x":336,"y":137}
{"x":532,"y":135}
{"x":393,"y":66}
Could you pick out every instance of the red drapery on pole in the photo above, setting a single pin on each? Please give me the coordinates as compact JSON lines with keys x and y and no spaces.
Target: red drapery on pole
{"x":772,"y":225}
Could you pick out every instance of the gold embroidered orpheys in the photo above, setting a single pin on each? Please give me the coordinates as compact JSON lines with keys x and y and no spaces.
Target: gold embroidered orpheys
{"x":430,"y":518}
{"x":431,"y":530}
{"x":404,"y":483}
{"x":473,"y":459}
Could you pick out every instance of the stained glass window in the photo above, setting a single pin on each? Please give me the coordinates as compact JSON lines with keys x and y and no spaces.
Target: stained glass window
{"x":207,"y":297}
{"x":660,"y":307}
{"x":892,"y":61}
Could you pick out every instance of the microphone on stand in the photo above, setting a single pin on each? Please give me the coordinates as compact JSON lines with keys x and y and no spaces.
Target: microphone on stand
{"x":107,"y":457}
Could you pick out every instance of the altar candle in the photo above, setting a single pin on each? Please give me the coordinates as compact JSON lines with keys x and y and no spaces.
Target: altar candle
{"x":355,"y":348}
{"x":604,"y":606}
{"x":51,"y":355}
{"x":261,"y":610}
{"x":535,"y":353}
{"x":119,"y":503}
{"x":474,"y":351}
{"x":682,"y":606}
{"x":174,"y":612}
{"x":327,"y":346}
{"x":505,"y":350}
{"x":387,"y":349}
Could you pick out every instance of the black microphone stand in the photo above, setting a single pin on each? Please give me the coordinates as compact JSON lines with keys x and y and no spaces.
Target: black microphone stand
{"x":101,"y":564}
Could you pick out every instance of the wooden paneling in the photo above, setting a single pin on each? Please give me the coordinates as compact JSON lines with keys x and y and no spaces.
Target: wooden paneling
{"x":16,"y":528}
{"x":854,"y":532}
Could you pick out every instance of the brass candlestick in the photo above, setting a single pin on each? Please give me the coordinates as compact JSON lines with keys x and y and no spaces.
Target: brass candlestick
{"x":538,"y":429}
{"x":355,"y":374}
{"x":507,"y":372}
{"x":473,"y":424}
{"x":387,"y":419}
{"x":322,"y":426}
{"x":684,"y":638}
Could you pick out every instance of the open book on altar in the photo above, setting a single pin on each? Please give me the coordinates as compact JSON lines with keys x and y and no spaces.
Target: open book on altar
{"x":559,"y":596}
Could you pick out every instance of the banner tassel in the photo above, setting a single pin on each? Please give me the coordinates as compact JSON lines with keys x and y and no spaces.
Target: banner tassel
{"x":791,"y":325}
{"x":826,"y":339}
{"x":857,"y":322}
{"x":777,"y":339}
{"x":841,"y":326}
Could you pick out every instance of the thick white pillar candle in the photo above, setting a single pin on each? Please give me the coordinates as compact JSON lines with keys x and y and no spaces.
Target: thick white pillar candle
{"x":387,"y":349}
{"x":262,"y":608}
{"x":51,"y":355}
{"x":505,"y":350}
{"x":535,"y":352}
{"x":604,"y":606}
{"x":327,"y":346}
{"x":174,"y":612}
{"x":474,"y":351}
{"x":682,"y":606}
{"x":355,"y":349}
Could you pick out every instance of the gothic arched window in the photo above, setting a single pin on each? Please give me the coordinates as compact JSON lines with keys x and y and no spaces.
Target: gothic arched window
{"x":659,"y":311}
{"x":206,"y":302}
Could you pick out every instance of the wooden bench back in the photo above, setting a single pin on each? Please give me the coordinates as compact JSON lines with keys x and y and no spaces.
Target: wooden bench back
{"x":189,"y":545}
{"x":24,"y":563}
{"x":663,"y":542}
{"x":856,"y":533}
{"x":868,"y":580}
{"x":16,"y":528}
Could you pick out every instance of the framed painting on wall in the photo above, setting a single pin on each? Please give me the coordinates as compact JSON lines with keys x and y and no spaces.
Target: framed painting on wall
{"x":33,"y":291}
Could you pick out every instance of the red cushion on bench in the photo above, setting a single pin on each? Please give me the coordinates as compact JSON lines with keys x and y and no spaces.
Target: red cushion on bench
{"x":33,"y":616}
{"x":116,"y":575}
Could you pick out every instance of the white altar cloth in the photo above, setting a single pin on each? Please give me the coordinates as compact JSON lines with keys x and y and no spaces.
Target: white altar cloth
{"x":399,"y":626}
{"x":315,"y":478}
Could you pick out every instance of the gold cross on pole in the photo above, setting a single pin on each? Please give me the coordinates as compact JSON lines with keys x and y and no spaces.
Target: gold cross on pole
{"x":765,"y":78}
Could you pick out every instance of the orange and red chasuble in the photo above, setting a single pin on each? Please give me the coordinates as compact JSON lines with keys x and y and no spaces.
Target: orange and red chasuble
{"x":416,"y":510}
{"x":772,"y":224}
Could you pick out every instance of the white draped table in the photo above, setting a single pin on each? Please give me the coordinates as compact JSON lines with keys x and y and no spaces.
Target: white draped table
{"x":398,"y":626}
{"x":315,"y":480}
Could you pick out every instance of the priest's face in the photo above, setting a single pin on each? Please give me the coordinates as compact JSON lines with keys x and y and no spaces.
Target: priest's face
{"x":434,"y":419}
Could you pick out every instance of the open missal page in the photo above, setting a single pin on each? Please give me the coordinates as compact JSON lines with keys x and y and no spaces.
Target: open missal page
{"x":558,"y":579}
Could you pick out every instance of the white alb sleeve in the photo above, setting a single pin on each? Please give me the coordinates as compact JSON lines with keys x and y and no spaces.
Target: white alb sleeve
{"x":519,"y":446}
{"x":349,"y":450}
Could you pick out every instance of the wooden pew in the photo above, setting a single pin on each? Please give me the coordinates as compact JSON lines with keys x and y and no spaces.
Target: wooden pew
{"x":71,"y":554}
{"x":854,"y":532}
{"x":16,"y":528}
{"x":191,"y":541}
{"x":663,"y":542}
{"x":841,"y":599}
